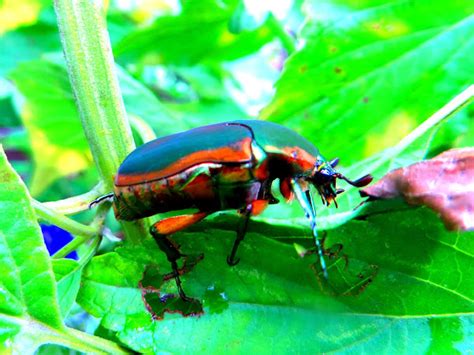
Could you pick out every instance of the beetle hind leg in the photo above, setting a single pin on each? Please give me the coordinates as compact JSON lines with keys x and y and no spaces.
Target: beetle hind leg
{"x":161,"y":231}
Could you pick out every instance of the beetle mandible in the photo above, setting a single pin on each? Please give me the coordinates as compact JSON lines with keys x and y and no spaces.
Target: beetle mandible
{"x":220,"y":167}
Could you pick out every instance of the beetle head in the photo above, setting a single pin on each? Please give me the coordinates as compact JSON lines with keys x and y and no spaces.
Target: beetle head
{"x":324,"y":178}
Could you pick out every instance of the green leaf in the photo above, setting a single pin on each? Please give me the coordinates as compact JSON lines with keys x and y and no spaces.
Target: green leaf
{"x":365,"y":77}
{"x":200,"y":32}
{"x":68,"y":278}
{"x":14,"y":14}
{"x":115,"y":288}
{"x":169,"y":118}
{"x":50,"y":349}
{"x":205,"y":112}
{"x":140,"y":101}
{"x":417,"y":257}
{"x":199,"y":25}
{"x":50,"y":115}
{"x":9,"y":117}
{"x":27,"y":288}
{"x":29,"y":310}
{"x":272,"y":292}
{"x":26,"y":44}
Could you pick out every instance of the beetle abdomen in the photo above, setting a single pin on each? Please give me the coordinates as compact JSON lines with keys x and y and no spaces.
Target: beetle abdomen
{"x":206,"y":187}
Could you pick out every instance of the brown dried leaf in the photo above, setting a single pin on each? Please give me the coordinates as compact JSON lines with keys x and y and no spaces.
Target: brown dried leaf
{"x":444,"y":183}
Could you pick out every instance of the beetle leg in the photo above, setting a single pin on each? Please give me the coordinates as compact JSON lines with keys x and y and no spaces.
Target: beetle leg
{"x":173,"y":254}
{"x":160,"y":232}
{"x":172,"y":225}
{"x":319,"y":245}
{"x":242,"y":229}
{"x":306,"y":201}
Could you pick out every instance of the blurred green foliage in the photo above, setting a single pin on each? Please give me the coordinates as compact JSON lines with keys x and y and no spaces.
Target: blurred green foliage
{"x":354,"y":77}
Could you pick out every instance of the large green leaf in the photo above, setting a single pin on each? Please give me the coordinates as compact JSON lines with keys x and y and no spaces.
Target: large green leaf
{"x":30,"y":314}
{"x":201,"y":31}
{"x":271,"y":301}
{"x":211,"y":106}
{"x":68,"y":278}
{"x":28,"y":43}
{"x":142,"y":102}
{"x":50,"y":115}
{"x":366,"y":75}
{"x":28,"y":302}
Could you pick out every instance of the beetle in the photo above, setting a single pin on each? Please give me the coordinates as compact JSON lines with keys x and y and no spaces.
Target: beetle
{"x":224,"y":166}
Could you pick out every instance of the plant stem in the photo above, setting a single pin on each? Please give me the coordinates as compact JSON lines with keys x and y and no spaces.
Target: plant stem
{"x":145,"y":132}
{"x":63,"y":222}
{"x":70,"y":247}
{"x":90,"y":343}
{"x":286,"y":39}
{"x":74,"y":339}
{"x":76,"y":204}
{"x":81,"y":239}
{"x":89,"y":59}
{"x":89,"y":251}
{"x":91,"y":69}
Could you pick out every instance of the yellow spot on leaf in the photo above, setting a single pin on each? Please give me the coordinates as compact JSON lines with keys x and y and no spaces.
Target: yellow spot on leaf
{"x":16,"y":13}
{"x":398,"y":127}
{"x":388,"y":28}
{"x":71,"y":161}
{"x":145,"y":11}
{"x":226,"y":38}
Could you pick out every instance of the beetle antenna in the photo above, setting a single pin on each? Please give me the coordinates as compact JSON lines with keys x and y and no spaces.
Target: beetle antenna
{"x":102,"y":199}
{"x":363,"y":181}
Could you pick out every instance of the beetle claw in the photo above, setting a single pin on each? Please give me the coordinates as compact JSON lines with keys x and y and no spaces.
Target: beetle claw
{"x":273,"y":200}
{"x":231,"y":261}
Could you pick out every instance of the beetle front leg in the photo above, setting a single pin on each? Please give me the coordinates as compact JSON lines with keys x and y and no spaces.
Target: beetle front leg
{"x":306,"y":201}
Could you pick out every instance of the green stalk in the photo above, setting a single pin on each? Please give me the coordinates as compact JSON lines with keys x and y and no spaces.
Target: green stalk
{"x":91,"y":70}
{"x":73,"y":227}
{"x":145,"y":132}
{"x":87,"y":343}
{"x":39,"y":333}
{"x":79,"y":238}
{"x":80,"y":341}
{"x":76,"y":204}
{"x":71,"y":246}
{"x":287,"y":41}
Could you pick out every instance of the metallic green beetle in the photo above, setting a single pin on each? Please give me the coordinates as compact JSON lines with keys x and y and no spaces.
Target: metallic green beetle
{"x":219,"y":167}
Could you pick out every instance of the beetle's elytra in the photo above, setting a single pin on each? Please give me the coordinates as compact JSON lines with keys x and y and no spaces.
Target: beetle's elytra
{"x":219,"y":167}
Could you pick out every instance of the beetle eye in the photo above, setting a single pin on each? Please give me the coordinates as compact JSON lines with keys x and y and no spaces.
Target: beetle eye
{"x":323,"y":177}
